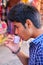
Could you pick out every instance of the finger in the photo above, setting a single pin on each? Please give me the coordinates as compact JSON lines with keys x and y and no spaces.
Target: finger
{"x":20,"y":42}
{"x":10,"y":36}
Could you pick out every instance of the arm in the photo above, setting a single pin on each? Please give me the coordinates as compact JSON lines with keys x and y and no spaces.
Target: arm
{"x":23,"y":58}
{"x":14,"y":48}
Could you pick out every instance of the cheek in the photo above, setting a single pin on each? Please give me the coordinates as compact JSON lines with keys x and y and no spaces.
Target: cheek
{"x":21,"y":32}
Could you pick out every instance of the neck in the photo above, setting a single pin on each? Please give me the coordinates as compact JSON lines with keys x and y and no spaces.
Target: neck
{"x":38,"y":32}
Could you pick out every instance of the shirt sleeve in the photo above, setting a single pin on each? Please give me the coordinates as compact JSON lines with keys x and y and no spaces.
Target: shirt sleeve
{"x":39,"y":57}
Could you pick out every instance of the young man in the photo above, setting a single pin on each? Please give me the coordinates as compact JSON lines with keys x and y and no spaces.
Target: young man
{"x":27,"y":23}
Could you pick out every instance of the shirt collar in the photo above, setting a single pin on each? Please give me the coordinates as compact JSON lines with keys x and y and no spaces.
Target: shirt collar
{"x":37,"y":40}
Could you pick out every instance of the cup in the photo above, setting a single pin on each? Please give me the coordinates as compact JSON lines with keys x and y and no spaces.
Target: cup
{"x":16,"y":39}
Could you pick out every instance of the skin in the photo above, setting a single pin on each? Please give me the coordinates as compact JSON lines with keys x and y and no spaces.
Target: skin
{"x":25,"y":33}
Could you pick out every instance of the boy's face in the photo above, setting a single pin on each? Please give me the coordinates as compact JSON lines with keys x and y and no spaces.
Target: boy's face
{"x":23,"y":32}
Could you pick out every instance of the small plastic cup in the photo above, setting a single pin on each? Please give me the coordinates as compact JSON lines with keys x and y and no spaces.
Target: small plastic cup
{"x":16,"y":39}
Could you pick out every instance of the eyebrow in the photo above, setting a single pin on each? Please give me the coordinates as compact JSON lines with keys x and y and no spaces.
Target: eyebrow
{"x":15,"y":26}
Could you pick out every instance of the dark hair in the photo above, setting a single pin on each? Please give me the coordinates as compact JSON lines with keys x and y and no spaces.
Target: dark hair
{"x":20,"y":12}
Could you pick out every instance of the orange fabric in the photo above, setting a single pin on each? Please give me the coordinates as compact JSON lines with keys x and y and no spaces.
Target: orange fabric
{"x":24,"y":1}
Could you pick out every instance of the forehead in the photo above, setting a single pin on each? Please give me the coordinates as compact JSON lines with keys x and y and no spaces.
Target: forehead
{"x":17,"y":24}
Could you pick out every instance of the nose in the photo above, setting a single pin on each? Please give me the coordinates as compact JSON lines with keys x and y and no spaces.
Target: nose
{"x":16,"y":31}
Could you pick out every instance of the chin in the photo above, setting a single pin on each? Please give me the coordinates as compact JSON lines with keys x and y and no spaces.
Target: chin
{"x":27,"y":39}
{"x":24,"y":39}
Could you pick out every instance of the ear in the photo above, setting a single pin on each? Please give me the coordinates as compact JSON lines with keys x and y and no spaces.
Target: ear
{"x":28,"y":23}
